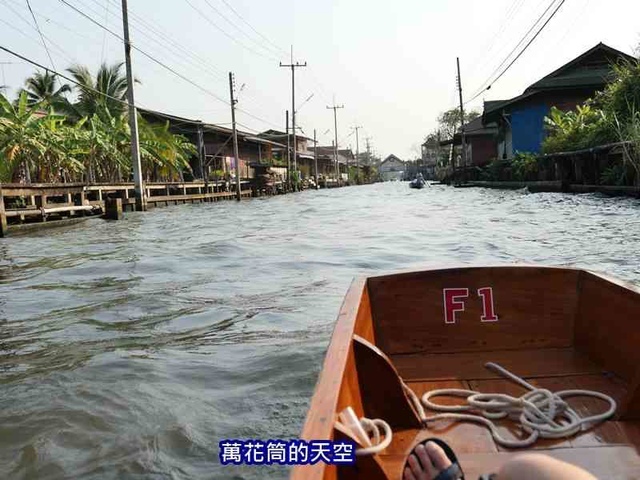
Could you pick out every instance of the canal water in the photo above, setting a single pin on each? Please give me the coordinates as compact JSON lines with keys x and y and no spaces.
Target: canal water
{"x":129,"y":349}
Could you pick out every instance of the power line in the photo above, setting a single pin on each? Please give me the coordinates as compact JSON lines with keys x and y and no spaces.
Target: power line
{"x":224,"y":32}
{"x":104,"y":33}
{"x":155,"y":60}
{"x":61,"y":75}
{"x":523,"y":49}
{"x":280,"y":50}
{"x":75,"y":82}
{"x":521,"y":40}
{"x":261,"y":45}
{"x":488,"y":47}
{"x":184,"y":54}
{"x":166,"y":41}
{"x":150,"y":57}
{"x":41,"y":35}
{"x":28,"y":23}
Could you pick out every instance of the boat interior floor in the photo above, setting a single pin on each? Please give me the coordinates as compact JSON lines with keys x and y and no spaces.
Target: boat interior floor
{"x":608,"y":450}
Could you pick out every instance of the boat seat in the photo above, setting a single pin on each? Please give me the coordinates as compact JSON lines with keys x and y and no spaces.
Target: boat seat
{"x":381,"y":389}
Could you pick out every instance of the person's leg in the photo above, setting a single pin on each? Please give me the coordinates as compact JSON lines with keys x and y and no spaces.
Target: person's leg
{"x":428,"y":460}
{"x":535,"y":466}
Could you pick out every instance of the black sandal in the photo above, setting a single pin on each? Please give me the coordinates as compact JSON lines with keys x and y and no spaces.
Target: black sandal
{"x":453,"y":472}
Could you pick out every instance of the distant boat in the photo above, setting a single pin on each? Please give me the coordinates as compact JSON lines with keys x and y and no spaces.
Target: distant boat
{"x":417,"y":182}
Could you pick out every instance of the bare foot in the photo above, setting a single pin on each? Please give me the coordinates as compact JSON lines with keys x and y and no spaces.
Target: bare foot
{"x":426,"y":462}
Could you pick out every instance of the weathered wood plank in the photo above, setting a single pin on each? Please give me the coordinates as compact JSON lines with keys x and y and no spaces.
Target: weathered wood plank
{"x":330,"y":388}
{"x":536,"y":308}
{"x":470,"y":365}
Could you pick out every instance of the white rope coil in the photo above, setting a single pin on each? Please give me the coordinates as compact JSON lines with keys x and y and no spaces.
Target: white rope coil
{"x":540,"y":412}
{"x":374,"y":429}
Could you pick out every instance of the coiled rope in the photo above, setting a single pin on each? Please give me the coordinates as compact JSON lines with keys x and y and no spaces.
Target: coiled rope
{"x":540,"y":412}
{"x":374,"y":428}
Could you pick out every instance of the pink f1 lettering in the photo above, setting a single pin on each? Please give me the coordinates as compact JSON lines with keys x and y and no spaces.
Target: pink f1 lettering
{"x":452,"y":303}
{"x":487,"y":305}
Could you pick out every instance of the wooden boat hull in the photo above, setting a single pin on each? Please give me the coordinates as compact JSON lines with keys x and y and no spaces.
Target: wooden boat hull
{"x":556,"y":327}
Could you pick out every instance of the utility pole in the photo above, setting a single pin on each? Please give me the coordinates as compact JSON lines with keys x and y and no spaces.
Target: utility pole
{"x":315,"y":158}
{"x":235,"y":135}
{"x":335,"y":161}
{"x":293,"y":67}
{"x":356,"y":128}
{"x":141,"y":201}
{"x":464,"y":147}
{"x":288,"y":152}
{"x":335,"y":134}
{"x":201,"y":154}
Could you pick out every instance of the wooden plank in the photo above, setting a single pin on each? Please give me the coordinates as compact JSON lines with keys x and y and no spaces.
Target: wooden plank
{"x":611,"y":463}
{"x":24,"y":213}
{"x":509,"y":429}
{"x":470,"y":365}
{"x":3,"y":216}
{"x":535,"y":306}
{"x":67,"y":209}
{"x":607,"y":433}
{"x":606,"y":326}
{"x":463,"y":437}
{"x":26,"y":191}
{"x":364,"y":323}
{"x":324,"y":403}
{"x":381,"y":388}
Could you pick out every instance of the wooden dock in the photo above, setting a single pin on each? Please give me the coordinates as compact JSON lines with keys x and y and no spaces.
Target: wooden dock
{"x":22,"y":204}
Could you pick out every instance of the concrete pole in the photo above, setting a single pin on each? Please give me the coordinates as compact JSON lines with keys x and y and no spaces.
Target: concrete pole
{"x":356,"y":128}
{"x":235,"y":137}
{"x":288,"y":152}
{"x":335,"y":134}
{"x":141,"y":202}
{"x":315,"y":158}
{"x":464,"y":146}
{"x":293,"y":106}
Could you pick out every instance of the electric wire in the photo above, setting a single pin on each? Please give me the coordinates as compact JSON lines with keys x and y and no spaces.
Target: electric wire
{"x":225,"y":33}
{"x":261,"y":45}
{"x":280,"y":50}
{"x":489,"y":45}
{"x":524,"y":37}
{"x":521,"y":51}
{"x":198,"y":61}
{"x":147,"y":55}
{"x":32,"y":27}
{"x":44,"y":43}
{"x":61,"y":75}
{"x":75,"y":82}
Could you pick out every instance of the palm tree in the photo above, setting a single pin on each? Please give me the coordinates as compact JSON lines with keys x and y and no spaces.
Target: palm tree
{"x":103,"y":95}
{"x":41,"y":88}
{"x":31,"y":141}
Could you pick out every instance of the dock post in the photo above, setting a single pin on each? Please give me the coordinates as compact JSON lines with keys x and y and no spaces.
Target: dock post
{"x":3,"y":217}
{"x":113,"y":209}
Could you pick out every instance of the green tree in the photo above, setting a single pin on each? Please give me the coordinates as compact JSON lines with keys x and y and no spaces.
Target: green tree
{"x":41,"y":89}
{"x":449,"y":121}
{"x":103,"y":95}
{"x":31,"y":142}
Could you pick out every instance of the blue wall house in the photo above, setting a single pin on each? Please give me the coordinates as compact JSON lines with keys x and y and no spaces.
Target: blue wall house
{"x":521,"y":119}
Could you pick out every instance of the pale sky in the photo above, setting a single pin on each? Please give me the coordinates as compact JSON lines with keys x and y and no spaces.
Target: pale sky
{"x":390,"y":63}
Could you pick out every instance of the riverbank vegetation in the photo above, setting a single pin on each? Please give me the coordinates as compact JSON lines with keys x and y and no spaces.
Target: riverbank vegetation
{"x":54,"y":132}
{"x":611,"y":117}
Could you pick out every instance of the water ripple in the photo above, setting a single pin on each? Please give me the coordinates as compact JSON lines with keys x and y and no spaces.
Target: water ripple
{"x":129,"y":349}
